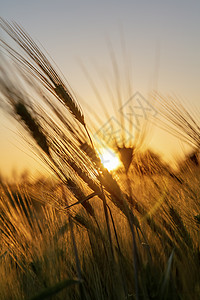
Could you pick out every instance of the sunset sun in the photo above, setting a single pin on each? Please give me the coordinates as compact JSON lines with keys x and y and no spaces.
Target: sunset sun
{"x":109,"y":159}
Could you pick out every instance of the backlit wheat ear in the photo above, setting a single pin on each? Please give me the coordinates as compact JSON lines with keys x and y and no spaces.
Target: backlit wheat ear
{"x":17,"y":100}
{"x":67,"y":99}
{"x":91,"y":153}
{"x":32,"y":126}
{"x":182,"y":123}
{"x":126,"y":156}
{"x":40,"y":67}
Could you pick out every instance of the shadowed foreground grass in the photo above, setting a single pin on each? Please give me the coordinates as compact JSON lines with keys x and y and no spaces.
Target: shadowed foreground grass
{"x":37,"y":253}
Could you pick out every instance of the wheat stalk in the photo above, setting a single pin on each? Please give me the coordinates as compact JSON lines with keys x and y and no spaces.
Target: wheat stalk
{"x":40,"y":67}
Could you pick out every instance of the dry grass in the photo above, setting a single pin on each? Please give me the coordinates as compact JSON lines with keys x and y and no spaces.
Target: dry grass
{"x":38,"y":252}
{"x":58,"y":240}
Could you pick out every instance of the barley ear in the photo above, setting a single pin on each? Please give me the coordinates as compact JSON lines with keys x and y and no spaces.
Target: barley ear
{"x":32,"y":126}
{"x":67,"y":99}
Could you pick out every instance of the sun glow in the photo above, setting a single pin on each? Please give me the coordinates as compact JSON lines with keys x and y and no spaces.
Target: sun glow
{"x":109,"y":159}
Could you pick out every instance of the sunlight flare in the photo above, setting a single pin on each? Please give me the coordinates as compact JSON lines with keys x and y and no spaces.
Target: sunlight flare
{"x":109,"y":159}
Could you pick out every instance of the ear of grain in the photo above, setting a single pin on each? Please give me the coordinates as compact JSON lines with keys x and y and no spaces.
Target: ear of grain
{"x":45,"y":71}
{"x":90,"y":152}
{"x":67,"y":99}
{"x":179,"y":120}
{"x":32,"y":126}
{"x":126,"y":156}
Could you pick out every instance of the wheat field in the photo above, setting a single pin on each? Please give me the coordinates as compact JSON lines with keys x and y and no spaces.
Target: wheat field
{"x":132,"y":233}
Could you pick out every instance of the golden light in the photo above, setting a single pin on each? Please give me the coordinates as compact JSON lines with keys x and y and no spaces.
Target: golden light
{"x":109,"y":159}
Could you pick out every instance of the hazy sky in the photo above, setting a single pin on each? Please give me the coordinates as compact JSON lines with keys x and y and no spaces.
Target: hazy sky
{"x":162,"y":41}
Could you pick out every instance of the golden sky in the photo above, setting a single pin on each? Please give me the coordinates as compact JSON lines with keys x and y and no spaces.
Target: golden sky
{"x":162,"y":52}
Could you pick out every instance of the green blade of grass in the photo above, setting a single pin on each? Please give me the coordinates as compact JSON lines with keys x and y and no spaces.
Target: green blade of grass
{"x":50,"y":291}
{"x":167,"y":275}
